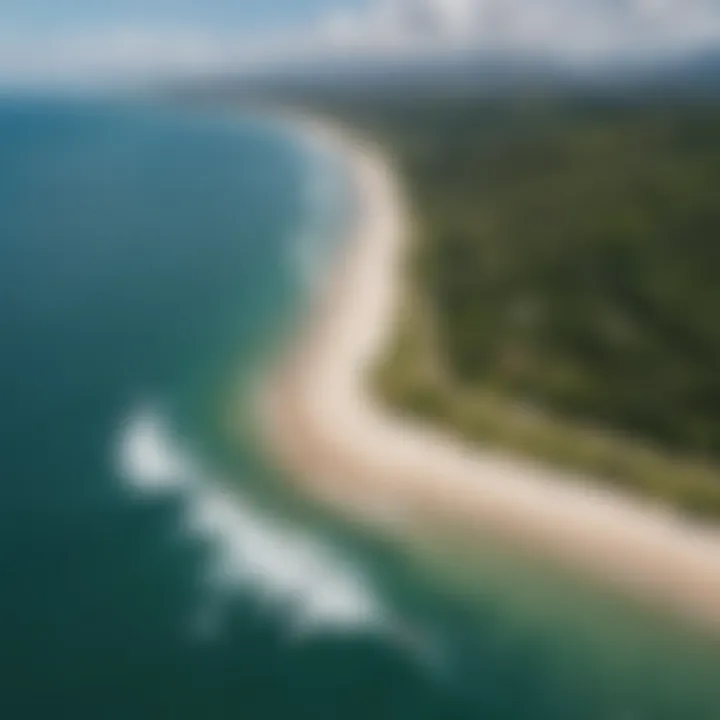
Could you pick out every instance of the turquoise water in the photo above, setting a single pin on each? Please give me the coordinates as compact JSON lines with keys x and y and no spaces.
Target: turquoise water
{"x":151,"y":564}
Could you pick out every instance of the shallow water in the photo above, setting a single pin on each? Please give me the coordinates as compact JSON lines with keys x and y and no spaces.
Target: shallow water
{"x":151,"y":564}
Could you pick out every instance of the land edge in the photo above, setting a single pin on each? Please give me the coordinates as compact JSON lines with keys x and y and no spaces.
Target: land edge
{"x":322,"y":423}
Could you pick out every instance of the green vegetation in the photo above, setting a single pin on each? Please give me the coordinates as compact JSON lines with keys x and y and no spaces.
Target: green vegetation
{"x":563,"y":291}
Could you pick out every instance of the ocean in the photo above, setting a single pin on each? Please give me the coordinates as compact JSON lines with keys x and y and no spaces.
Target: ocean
{"x":153,"y":563}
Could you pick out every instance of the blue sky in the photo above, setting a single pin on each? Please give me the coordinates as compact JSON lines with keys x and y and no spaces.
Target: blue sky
{"x":61,"y":40}
{"x":243,"y":14}
{"x":67,"y":39}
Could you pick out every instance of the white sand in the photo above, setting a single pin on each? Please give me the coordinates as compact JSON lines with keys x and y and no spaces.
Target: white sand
{"x":326,"y":427}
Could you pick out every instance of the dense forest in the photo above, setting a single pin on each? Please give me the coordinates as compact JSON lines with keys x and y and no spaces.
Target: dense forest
{"x":562,"y":291}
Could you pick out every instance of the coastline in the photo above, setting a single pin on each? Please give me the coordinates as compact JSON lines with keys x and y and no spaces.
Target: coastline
{"x":323,"y":424}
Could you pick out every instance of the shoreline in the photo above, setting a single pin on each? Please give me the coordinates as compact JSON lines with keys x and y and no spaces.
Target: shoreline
{"x":322,"y":422}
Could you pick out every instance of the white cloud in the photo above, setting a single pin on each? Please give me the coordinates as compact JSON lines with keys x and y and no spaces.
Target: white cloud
{"x":563,"y":26}
{"x":571,"y":28}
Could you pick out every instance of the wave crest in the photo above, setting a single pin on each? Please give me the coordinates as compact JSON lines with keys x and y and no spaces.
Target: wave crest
{"x":296,"y":573}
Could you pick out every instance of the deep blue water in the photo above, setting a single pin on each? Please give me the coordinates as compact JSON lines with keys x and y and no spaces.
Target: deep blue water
{"x":151,"y":564}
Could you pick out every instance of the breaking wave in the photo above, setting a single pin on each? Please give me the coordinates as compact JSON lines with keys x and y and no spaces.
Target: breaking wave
{"x":309,"y":583}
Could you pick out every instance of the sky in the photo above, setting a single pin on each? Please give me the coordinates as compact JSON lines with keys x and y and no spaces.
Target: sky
{"x":65,"y":40}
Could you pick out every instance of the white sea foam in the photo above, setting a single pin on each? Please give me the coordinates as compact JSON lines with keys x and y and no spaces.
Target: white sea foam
{"x":304,"y":579}
{"x":146,"y":458}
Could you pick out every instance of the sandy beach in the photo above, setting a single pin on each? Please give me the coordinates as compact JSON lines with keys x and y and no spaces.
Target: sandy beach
{"x":324,"y":425}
